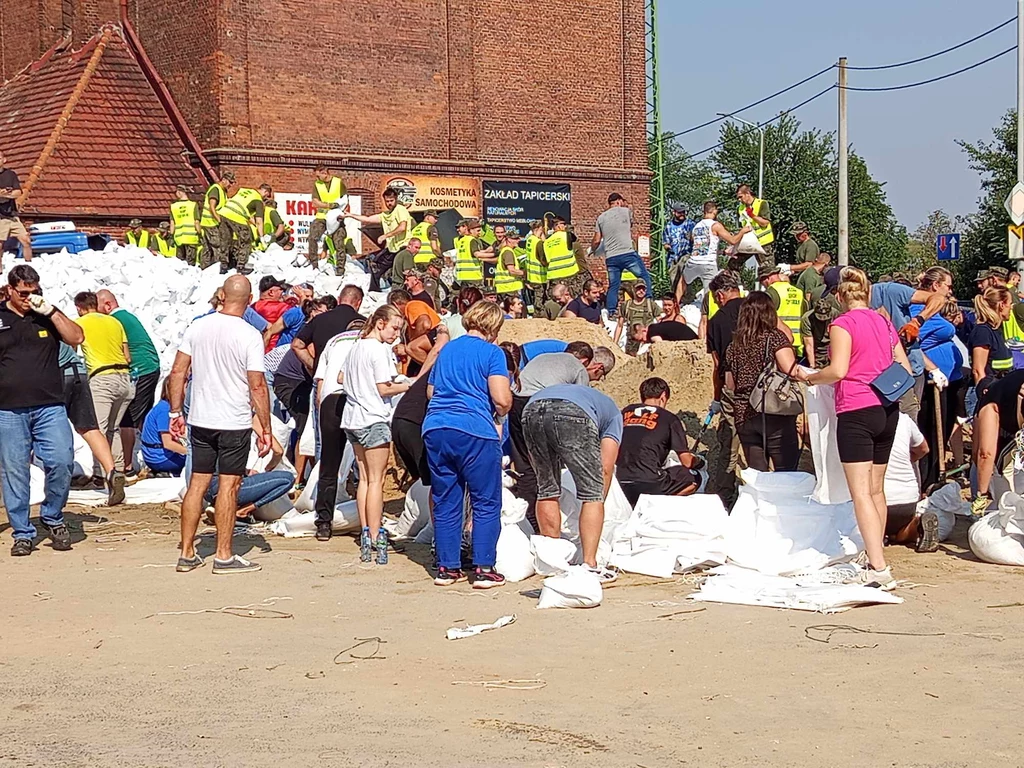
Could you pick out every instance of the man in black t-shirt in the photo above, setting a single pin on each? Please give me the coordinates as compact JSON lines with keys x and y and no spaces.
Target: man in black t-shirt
{"x":33,"y":418}
{"x":10,"y":224}
{"x":725,"y":288}
{"x":649,"y":434}
{"x":311,"y":340}
{"x":669,"y":330}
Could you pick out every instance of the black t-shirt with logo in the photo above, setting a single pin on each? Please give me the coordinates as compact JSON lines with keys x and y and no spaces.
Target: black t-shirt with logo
{"x":325,"y":327}
{"x":671,"y":331}
{"x":648,"y":434}
{"x":30,"y":373}
{"x":721,"y":328}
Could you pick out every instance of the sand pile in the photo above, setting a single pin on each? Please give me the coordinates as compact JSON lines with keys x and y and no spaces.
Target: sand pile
{"x":571,"y":329}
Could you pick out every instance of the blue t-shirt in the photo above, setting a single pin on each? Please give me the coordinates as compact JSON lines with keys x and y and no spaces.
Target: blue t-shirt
{"x":541,"y":347}
{"x":461,"y":398}
{"x":895,"y":297}
{"x":158,"y":420}
{"x":936,"y":341}
{"x":677,"y":237}
{"x":601,"y":409}
{"x":293,"y":321}
{"x":251,"y":316}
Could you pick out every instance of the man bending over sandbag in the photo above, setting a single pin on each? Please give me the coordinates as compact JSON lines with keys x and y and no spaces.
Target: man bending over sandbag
{"x":649,"y":434}
{"x":573,"y":426}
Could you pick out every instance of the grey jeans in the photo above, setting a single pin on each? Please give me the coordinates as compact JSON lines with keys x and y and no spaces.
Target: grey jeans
{"x":560,"y":434}
{"x":111,"y":394}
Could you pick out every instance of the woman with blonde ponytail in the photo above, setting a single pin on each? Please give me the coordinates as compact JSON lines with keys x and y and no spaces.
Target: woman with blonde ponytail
{"x":990,"y":357}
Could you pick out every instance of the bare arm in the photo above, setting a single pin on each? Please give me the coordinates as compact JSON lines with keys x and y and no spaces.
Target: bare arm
{"x":172,"y":445}
{"x":918,"y":452}
{"x":260,"y":401}
{"x":596,"y":241}
{"x":70,"y":331}
{"x":715,"y":377}
{"x":933,"y":303}
{"x":274,"y":328}
{"x":391,"y":388}
{"x":127,"y":352}
{"x":501,"y":394}
{"x":785,"y":358}
{"x":304,"y":352}
{"x":609,"y":454}
{"x":979,"y":361}
{"x":728,"y":236}
{"x":618,"y":329}
{"x":176,"y":392}
{"x":840,"y":346}
{"x":375,"y":219}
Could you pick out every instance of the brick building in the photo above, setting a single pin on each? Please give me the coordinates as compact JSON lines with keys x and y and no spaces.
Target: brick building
{"x":465,"y":91}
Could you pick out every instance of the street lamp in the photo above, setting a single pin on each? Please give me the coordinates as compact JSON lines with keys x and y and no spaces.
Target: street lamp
{"x":760,"y":165}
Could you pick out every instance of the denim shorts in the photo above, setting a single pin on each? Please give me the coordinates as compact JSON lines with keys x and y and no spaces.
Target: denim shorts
{"x":373,"y":436}
{"x":560,"y":434}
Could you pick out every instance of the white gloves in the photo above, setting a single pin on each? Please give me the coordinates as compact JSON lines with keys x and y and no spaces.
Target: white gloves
{"x":939,"y":379}
{"x":785,"y":269}
{"x":41,"y":305}
{"x":266,"y":239}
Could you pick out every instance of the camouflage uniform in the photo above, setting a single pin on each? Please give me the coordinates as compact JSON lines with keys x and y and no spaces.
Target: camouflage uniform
{"x":235,"y":245}
{"x":188,"y":253}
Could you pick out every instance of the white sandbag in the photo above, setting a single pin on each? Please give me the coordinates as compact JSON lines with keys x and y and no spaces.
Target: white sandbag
{"x":515,"y":560}
{"x":426,"y":534}
{"x":275,"y":510}
{"x":747,"y":244}
{"x":307,"y":499}
{"x":820,"y":404}
{"x":415,"y":514}
{"x":552,"y":556}
{"x":578,"y":587}
{"x":307,"y":440}
{"x":84,"y":459}
{"x":946,"y":503}
{"x":999,"y":536}
{"x":298,"y":524}
{"x":775,"y":528}
{"x":616,"y":512}
{"x":36,"y":485}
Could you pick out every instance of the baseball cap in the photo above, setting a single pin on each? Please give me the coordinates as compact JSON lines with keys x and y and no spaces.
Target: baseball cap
{"x":678,"y":208}
{"x":414,"y":271}
{"x":767,"y":271}
{"x":471,"y":223}
{"x":831,"y":277}
{"x":269,"y":281}
{"x":512,"y":233}
{"x":227,"y":176}
{"x":430,"y":212}
{"x":1000,"y":272}
{"x":824,"y":309}
{"x":983,"y":274}
{"x":798,"y":228}
{"x":437,"y":263}
{"x":135,"y":223}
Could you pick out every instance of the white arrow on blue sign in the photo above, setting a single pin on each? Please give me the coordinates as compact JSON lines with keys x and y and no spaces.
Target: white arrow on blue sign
{"x":947,"y":247}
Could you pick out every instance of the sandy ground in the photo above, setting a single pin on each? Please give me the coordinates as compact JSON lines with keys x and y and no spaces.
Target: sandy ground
{"x":89,"y":676}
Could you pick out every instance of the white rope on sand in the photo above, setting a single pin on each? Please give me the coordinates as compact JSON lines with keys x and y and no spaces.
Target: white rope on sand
{"x":252,"y":611}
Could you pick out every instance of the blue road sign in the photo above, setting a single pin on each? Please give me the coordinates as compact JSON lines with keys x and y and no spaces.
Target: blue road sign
{"x":947,"y":247}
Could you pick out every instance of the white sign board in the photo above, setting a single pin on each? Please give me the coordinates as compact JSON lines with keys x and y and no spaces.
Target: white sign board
{"x":1015,"y":204}
{"x":298,"y":213}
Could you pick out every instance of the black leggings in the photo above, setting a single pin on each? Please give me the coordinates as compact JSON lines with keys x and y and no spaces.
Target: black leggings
{"x":770,"y":438}
{"x":332,"y":448}
{"x":526,"y":486}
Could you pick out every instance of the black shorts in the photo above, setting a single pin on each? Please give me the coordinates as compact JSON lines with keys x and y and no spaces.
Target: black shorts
{"x":78,"y":401}
{"x":867,"y":434}
{"x":674,"y":481}
{"x":408,"y":439}
{"x":142,"y":403}
{"x":220,"y":451}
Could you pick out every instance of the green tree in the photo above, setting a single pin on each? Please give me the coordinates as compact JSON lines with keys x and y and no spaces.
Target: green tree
{"x":985,"y":241}
{"x":921,"y":244}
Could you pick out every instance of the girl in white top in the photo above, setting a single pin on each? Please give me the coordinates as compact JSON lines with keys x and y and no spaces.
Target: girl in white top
{"x":368,"y":375}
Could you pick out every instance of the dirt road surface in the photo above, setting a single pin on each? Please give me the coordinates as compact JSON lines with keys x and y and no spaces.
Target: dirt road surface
{"x":89,"y":676}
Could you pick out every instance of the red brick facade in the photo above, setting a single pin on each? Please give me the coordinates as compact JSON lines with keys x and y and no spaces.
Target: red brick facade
{"x":500,"y":89}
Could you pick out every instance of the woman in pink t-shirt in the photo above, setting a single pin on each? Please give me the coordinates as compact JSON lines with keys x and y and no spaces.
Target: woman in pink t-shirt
{"x":863,"y":343}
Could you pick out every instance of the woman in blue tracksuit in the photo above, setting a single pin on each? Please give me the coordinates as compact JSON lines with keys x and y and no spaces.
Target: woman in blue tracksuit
{"x":470,"y":394}
{"x":936,"y":339}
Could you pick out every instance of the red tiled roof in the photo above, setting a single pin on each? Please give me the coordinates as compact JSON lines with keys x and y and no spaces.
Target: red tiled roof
{"x":88,"y":135}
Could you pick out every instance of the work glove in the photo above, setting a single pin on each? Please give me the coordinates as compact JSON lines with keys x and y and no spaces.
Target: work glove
{"x":785,"y":269}
{"x":335,"y":206}
{"x":910,"y":332}
{"x":750,"y":212}
{"x":266,"y":239}
{"x":41,"y":305}
{"x":939,"y":379}
{"x":715,"y":408}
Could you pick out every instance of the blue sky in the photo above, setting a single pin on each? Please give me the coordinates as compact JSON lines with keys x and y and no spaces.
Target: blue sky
{"x":717,"y":58}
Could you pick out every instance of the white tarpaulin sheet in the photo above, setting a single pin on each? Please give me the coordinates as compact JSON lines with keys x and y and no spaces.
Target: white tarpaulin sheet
{"x":154,"y":490}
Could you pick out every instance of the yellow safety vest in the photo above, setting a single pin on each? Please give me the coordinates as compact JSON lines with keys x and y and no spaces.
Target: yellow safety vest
{"x":236,"y":209}
{"x":713,"y":305}
{"x":468,"y":269}
{"x":1012,"y":330}
{"x":183,"y":212}
{"x":328,"y":194}
{"x":504,"y":281}
{"x":426,"y":252}
{"x":536,"y":273}
{"x":208,"y":220}
{"x":561,"y":259}
{"x":791,"y":309}
{"x":141,"y":239}
{"x":164,"y":246}
{"x":764,"y":235}
{"x":257,"y":238}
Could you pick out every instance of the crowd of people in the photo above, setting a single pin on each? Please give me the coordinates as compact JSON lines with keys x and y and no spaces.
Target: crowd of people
{"x":423,"y":377}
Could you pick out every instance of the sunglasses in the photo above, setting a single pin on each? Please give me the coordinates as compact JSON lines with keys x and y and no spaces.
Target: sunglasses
{"x":26,"y":294}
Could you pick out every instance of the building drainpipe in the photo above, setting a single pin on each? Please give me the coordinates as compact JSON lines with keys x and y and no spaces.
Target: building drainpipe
{"x":162,"y":92}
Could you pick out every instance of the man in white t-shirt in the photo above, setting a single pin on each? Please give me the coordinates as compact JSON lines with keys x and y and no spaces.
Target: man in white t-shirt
{"x":903,"y":490}
{"x":225,"y":356}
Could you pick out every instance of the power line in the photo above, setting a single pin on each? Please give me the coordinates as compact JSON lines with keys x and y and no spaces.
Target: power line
{"x":935,"y":79}
{"x":956,"y":47}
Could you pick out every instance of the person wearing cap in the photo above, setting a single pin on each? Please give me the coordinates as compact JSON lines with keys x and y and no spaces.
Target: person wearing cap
{"x":508,"y":277}
{"x":328,"y":190}
{"x":274,"y":228}
{"x":814,"y":328}
{"x":162,"y":243}
{"x":240,"y":216}
{"x":415,"y":284}
{"x":185,"y":225}
{"x":755,"y":213}
{"x":426,"y":233}
{"x":677,"y":239}
{"x":788,"y":301}
{"x":471,"y":253}
{"x":536,"y":267}
{"x":983,"y":280}
{"x":209,"y":223}
{"x":558,"y":252}
{"x":998,"y":276}
{"x":614,"y":230}
{"x":434,"y":284}
{"x":405,"y":260}
{"x":639,"y":309}
{"x":271,"y":304}
{"x":136,"y":235}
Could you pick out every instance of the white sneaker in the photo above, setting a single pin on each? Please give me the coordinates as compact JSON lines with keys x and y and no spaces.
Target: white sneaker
{"x":870,"y":577}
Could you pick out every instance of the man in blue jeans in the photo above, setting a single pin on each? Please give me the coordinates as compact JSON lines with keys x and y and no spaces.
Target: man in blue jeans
{"x":33,"y":419}
{"x":615,"y":230}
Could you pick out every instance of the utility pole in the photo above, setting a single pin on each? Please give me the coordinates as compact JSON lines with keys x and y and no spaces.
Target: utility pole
{"x":844,"y":169}
{"x":1020,"y":91}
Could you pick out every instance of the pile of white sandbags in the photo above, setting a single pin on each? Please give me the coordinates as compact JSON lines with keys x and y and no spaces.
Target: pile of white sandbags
{"x":167,"y":294}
